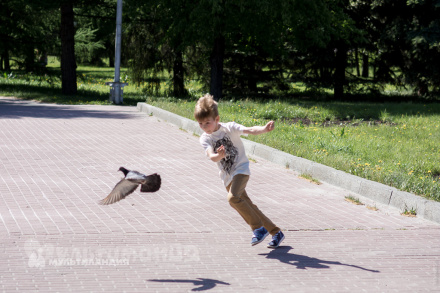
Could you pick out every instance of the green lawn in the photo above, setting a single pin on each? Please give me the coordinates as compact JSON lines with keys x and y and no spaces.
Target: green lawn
{"x":46,"y":87}
{"x":397,"y":144}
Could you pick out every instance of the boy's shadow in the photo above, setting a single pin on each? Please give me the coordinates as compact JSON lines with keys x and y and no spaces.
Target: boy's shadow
{"x":303,"y":262}
{"x":205,"y":284}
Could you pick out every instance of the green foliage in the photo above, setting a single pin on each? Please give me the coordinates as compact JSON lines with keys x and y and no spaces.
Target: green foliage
{"x":407,"y":34}
{"x":99,"y":19}
{"x":258,"y":34}
{"x":86,"y":45}
{"x":25,"y":35}
{"x":268,"y":44}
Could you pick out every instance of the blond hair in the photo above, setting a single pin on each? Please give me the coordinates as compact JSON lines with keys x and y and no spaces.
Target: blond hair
{"x":206,"y":107}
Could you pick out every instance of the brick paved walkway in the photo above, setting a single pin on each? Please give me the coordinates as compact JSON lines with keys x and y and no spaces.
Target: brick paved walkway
{"x":57,"y":161}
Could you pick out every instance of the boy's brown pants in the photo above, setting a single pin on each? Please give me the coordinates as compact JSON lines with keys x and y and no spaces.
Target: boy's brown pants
{"x":240,"y":201}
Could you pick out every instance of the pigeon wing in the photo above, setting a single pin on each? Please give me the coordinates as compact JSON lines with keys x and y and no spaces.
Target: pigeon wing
{"x":120,"y":191}
{"x":152,"y":183}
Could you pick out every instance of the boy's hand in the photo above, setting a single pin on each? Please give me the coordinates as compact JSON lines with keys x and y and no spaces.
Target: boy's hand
{"x":255,"y":130}
{"x":270,"y":126}
{"x":218,"y":154}
{"x":221,"y":151}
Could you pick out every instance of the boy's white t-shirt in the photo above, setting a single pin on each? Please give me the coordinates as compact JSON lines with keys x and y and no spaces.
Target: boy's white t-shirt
{"x":236,"y":161}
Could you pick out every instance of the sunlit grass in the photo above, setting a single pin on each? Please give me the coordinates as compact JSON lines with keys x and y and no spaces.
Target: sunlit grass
{"x":403,"y":152}
{"x":353,"y":200}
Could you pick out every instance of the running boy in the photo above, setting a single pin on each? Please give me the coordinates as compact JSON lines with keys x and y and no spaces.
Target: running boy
{"x":223,"y":145}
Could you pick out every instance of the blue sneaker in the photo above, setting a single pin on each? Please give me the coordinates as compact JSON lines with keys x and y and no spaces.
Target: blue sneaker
{"x":276,"y":240}
{"x":259,"y":235}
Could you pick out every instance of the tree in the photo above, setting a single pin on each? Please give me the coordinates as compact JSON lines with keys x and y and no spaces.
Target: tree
{"x":321,"y":58}
{"x":96,"y":32}
{"x":85,"y":44}
{"x":25,"y":35}
{"x":403,"y":37}
{"x":250,"y":28}
{"x":68,"y":62}
{"x":67,"y":34}
{"x":420,"y":66}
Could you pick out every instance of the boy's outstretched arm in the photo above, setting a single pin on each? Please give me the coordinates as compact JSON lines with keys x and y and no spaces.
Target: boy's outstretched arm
{"x":255,"y":130}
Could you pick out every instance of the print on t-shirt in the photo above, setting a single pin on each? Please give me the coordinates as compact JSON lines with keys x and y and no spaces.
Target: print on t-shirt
{"x":231,"y":153}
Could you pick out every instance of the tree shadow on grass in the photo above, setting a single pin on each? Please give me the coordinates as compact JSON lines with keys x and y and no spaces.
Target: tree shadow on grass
{"x":303,"y":262}
{"x":204,"y":284}
{"x":47,"y":94}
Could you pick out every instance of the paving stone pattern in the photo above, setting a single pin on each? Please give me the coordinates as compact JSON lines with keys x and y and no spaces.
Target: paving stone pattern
{"x":57,"y":161}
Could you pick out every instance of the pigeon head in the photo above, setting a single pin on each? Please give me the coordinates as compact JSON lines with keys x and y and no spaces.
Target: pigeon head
{"x":123,"y":170}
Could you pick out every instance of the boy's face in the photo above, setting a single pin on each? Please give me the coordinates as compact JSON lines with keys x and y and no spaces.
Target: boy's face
{"x":209,"y":125}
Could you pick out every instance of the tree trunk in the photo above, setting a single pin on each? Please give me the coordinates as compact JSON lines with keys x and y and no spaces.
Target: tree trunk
{"x":5,"y":65}
{"x":365,"y":65}
{"x":6,"y":60}
{"x":252,"y":74}
{"x":216,"y":61}
{"x":340,"y":66}
{"x":178,"y":73}
{"x":68,"y":62}
{"x":111,"y":58}
{"x":358,"y":71}
{"x":29,"y":60}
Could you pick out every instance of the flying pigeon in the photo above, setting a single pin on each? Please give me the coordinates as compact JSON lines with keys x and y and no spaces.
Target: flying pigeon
{"x":129,"y":183}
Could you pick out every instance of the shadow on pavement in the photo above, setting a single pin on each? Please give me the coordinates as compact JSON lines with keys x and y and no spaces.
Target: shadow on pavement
{"x":205,"y":284}
{"x":17,"y":109}
{"x":303,"y":262}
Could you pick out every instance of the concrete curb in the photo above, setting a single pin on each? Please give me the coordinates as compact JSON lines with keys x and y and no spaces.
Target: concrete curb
{"x":378,"y":192}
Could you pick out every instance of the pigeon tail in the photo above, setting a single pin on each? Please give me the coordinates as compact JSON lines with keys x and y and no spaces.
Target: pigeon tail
{"x":152,"y":184}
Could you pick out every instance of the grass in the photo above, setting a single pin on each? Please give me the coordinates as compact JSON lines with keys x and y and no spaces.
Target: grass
{"x":310,"y":179}
{"x":373,"y":208}
{"x":402,"y":150}
{"x":409,"y":212}
{"x":252,"y":159}
{"x":353,"y":200}
{"x":397,"y":144}
{"x":46,"y":86}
